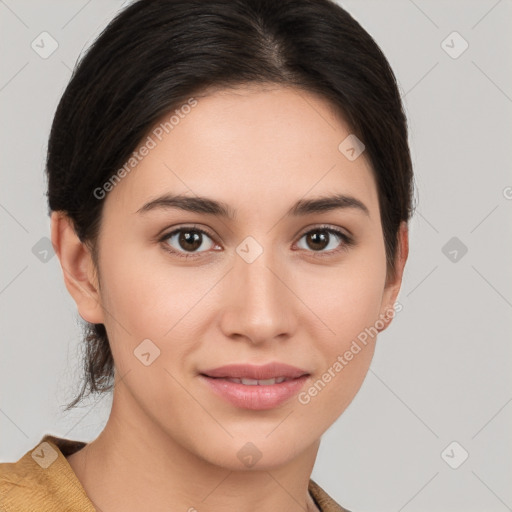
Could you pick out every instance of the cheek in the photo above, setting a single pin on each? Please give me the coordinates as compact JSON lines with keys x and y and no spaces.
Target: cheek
{"x":345,"y":353}
{"x":143,"y":291}
{"x":346,"y":299}
{"x":348,"y":304}
{"x":149,"y":298}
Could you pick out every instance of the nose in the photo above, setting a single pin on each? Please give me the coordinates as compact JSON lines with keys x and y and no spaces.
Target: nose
{"x":258,"y":302}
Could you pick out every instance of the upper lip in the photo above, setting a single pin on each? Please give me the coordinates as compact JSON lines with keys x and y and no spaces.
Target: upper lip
{"x":262,"y":372}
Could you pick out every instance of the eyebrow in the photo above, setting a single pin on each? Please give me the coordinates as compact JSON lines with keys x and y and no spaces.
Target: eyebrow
{"x":218,"y":208}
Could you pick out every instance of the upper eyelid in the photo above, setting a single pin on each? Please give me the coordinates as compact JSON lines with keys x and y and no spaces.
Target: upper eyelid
{"x":184,"y":228}
{"x":302,"y":232}
{"x":327,"y":227}
{"x":336,"y":230}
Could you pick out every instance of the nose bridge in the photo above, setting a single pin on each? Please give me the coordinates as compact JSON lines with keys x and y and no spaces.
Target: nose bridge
{"x":260,"y":305}
{"x":258,"y":278}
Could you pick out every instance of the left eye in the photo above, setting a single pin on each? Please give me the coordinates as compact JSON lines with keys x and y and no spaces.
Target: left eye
{"x":321,"y":238}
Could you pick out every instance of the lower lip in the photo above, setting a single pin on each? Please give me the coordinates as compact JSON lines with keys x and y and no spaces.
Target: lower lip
{"x":255,"y":397}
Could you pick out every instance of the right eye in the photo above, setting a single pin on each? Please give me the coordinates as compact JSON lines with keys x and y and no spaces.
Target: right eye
{"x":186,"y":240}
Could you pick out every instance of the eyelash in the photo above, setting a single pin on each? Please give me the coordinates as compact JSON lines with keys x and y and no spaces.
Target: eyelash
{"x":346,"y":240}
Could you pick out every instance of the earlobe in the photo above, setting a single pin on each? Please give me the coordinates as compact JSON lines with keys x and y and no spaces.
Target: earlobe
{"x":77,"y":268}
{"x":392,"y":289}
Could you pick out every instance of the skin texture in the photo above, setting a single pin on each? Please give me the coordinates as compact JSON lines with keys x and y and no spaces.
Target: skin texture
{"x":259,"y":150}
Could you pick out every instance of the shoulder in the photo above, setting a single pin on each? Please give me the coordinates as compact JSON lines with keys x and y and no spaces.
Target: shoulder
{"x":42,"y":480}
{"x":323,"y":500}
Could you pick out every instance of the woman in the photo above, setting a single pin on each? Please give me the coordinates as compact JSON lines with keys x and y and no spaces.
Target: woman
{"x":230,"y":186}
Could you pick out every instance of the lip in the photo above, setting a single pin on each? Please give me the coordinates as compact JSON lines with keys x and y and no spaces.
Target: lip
{"x":255,"y":397}
{"x":259,"y":372}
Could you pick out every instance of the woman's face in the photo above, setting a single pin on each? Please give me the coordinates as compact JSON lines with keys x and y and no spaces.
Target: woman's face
{"x":266,"y":283}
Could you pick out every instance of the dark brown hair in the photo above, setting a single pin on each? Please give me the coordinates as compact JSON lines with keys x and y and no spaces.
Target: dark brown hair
{"x":158,"y":53}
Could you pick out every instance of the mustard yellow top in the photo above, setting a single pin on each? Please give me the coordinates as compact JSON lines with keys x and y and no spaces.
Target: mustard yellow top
{"x":43,"y":481}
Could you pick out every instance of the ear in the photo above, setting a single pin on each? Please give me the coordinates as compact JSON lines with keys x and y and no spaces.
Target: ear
{"x":393,"y":285}
{"x":78,"y":268}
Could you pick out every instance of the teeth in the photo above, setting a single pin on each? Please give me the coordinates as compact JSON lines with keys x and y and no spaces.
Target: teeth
{"x":255,"y":382}
{"x":267,"y":382}
{"x":249,"y":382}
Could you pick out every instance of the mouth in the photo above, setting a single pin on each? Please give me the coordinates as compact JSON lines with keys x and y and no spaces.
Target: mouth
{"x":251,"y":372}
{"x":255,"y":387}
{"x":254,"y":382}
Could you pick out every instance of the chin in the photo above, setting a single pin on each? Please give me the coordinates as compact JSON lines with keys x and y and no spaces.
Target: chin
{"x":254,"y":452}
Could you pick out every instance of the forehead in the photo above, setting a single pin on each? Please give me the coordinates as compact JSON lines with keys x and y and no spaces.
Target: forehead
{"x":243,"y":145}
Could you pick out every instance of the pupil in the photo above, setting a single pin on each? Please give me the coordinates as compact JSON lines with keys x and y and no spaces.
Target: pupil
{"x":316,"y":238}
{"x":188,"y":238}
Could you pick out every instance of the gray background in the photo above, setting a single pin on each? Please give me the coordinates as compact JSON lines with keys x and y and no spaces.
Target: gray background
{"x":441,"y":372}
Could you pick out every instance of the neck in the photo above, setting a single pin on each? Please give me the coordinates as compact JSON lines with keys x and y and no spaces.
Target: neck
{"x":132,"y":466}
